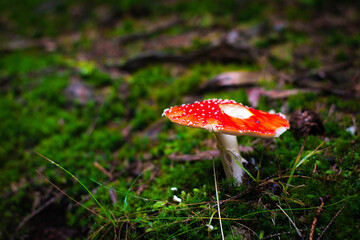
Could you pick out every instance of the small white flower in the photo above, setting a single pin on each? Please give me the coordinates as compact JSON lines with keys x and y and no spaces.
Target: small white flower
{"x":177,"y":199}
{"x":351,"y":130}
{"x":211,"y":227}
{"x":173,"y":189}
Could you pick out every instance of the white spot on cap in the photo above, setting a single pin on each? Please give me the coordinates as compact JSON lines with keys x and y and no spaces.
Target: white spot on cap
{"x":236,"y":111}
{"x":164,"y":114}
{"x":281,"y":115}
{"x":209,"y":127}
{"x":280,"y":131}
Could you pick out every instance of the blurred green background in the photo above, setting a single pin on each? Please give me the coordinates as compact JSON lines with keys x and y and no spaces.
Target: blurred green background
{"x":84,"y":83}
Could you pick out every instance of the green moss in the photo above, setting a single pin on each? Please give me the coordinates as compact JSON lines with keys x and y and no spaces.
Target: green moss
{"x":109,"y":135}
{"x":298,"y":101}
{"x":343,"y":105}
{"x":310,"y":63}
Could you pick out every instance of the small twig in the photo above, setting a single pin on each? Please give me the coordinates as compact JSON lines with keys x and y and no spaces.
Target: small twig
{"x":103,"y":170}
{"x":92,"y":126}
{"x":292,"y":222}
{"x":331,"y":112}
{"x":332,"y":220}
{"x":248,"y":228}
{"x":317,"y":215}
{"x":219,"y":52}
{"x":113,"y":196}
{"x":282,"y":233}
{"x":354,"y":122}
{"x":34,"y":213}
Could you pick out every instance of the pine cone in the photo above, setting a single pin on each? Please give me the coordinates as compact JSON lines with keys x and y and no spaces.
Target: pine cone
{"x":304,"y":122}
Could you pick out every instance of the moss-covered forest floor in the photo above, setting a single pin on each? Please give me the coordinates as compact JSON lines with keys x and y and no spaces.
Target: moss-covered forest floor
{"x":84,"y":84}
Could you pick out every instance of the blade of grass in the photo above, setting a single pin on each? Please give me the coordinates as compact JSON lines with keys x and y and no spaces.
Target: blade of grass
{"x":82,"y":184}
{"x":240,"y":165}
{"x":292,"y":222}
{"x":310,"y":154}
{"x":125,"y":193}
{"x":128,"y":191}
{"x":72,"y":199}
{"x":243,"y":217}
{"x":218,"y":203}
{"x":211,"y":218}
{"x":299,"y":161}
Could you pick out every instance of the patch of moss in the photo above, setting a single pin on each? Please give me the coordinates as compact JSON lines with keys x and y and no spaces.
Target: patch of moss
{"x":298,"y":101}
{"x":105,"y":141}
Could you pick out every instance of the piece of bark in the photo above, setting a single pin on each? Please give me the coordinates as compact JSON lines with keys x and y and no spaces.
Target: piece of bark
{"x":222,"y":51}
{"x":254,"y":94}
{"x":235,"y":79}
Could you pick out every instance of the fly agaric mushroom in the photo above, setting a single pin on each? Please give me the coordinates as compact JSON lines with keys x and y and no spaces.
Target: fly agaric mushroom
{"x":227,"y":119}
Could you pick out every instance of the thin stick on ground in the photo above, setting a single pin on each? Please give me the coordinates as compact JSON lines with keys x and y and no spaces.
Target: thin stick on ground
{"x":109,"y":217}
{"x":34,"y":213}
{"x":292,"y":222}
{"x":317,"y":215}
{"x":282,"y":233}
{"x":72,"y":199}
{"x":332,"y":220}
{"x":218,"y":203}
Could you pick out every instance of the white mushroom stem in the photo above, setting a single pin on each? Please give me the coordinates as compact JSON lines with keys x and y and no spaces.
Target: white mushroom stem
{"x":230,"y":156}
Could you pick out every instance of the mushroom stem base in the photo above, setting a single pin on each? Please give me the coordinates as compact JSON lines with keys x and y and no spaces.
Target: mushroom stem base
{"x":230,"y":156}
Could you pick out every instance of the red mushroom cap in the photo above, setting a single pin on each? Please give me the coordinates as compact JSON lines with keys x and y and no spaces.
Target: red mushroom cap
{"x":229,"y":117}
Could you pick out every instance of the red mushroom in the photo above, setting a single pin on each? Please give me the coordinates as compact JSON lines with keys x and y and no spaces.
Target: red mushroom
{"x":227,"y":119}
